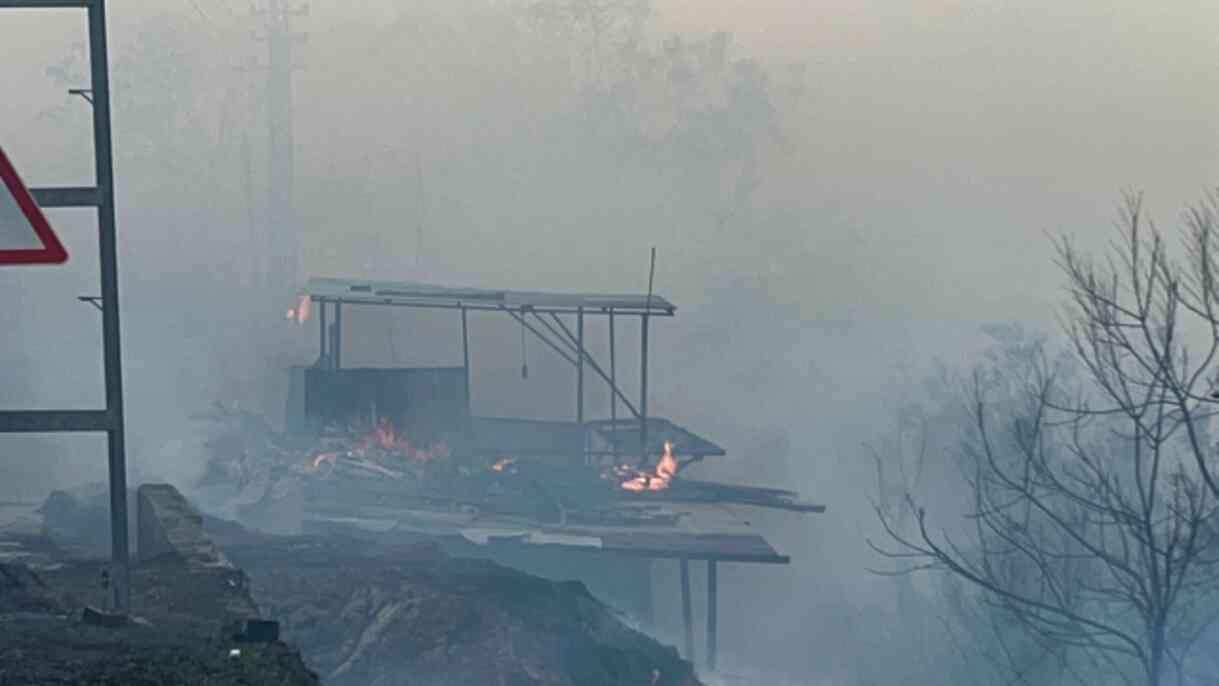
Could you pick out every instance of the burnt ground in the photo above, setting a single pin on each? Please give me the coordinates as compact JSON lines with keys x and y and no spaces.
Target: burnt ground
{"x":358,"y":613}
{"x":61,"y":650}
{"x":411,"y":615}
{"x":179,"y":635}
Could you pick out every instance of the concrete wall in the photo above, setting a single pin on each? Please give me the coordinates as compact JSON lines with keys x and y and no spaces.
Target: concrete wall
{"x":168,"y":525}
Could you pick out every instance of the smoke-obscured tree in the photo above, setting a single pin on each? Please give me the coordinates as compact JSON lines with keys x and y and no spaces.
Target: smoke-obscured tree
{"x":949,"y":636}
{"x":1092,"y":522}
{"x":698,"y":108}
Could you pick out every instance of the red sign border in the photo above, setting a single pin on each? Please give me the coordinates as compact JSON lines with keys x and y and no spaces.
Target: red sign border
{"x":52,"y":251}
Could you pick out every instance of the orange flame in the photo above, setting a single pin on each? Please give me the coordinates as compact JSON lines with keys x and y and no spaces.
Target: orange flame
{"x":660,"y":478}
{"x":387,"y":439}
{"x":304,"y":308}
{"x":322,"y":458}
{"x":503,"y":463}
{"x":300,"y":313}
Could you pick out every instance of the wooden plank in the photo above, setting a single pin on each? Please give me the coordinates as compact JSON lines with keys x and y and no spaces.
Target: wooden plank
{"x":689,"y":491}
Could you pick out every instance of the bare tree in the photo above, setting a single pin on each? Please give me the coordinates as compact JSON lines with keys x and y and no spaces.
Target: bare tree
{"x":951,"y":637}
{"x":1134,"y":319}
{"x":1093,"y":513}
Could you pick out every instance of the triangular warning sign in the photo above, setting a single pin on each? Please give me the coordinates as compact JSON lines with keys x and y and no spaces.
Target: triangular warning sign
{"x":25,"y":235}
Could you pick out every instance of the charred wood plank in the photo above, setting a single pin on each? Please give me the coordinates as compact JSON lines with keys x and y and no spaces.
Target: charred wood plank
{"x":687,"y":491}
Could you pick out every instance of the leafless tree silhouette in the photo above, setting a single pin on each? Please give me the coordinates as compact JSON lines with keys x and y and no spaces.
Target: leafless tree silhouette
{"x":1094,"y":498}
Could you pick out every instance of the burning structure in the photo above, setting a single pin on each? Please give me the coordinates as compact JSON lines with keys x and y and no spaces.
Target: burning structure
{"x":379,"y":453}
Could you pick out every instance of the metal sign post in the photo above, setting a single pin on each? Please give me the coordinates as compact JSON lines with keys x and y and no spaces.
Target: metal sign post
{"x":109,"y":420}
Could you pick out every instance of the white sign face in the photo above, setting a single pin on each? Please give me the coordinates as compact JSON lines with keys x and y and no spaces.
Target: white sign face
{"x":25,"y":235}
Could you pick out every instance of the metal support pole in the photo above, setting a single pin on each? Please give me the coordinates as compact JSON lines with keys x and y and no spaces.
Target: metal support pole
{"x":712,"y":610}
{"x":613,"y":386}
{"x":580,"y":365}
{"x":647,"y":610}
{"x":337,"y":344}
{"x":569,"y":339}
{"x":321,"y":331}
{"x":643,"y":389}
{"x":643,"y":386}
{"x":540,"y":336}
{"x":687,"y":612}
{"x":112,"y":353}
{"x":465,"y":356}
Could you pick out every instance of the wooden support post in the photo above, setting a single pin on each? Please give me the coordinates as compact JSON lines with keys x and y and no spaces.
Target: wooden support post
{"x":686,"y":610}
{"x":712,"y":611}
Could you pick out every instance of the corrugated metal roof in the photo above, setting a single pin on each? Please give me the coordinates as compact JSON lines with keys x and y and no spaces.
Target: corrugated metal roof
{"x":414,"y":294}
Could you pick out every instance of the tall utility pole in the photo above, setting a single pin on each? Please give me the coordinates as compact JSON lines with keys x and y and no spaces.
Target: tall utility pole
{"x":282,"y":230}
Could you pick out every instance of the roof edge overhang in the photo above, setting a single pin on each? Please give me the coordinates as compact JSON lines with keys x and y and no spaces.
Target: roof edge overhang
{"x":422,"y":295}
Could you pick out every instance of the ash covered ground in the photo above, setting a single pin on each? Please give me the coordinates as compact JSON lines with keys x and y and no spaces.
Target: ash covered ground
{"x":358,"y":613}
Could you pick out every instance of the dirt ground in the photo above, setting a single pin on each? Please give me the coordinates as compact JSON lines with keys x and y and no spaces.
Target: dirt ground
{"x":182,"y":634}
{"x":360,"y":614}
{"x":61,"y":650}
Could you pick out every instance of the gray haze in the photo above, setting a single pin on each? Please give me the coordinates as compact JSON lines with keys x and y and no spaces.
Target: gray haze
{"x":890,"y":192}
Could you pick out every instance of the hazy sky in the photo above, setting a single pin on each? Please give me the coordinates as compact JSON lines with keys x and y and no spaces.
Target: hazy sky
{"x":944,"y":137}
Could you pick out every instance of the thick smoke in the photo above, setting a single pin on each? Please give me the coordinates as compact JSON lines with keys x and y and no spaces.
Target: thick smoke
{"x":838,"y":196}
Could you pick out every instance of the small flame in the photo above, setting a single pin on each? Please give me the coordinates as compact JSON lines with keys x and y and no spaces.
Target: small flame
{"x":503,"y":463}
{"x":323,"y":458}
{"x":304,"y":308}
{"x":300,"y":313}
{"x":660,"y":478}
{"x":384,"y":437}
